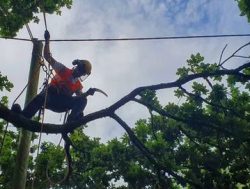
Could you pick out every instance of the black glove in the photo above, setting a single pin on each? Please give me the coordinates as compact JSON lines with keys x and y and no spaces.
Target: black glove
{"x":91,"y":91}
{"x":46,"y":35}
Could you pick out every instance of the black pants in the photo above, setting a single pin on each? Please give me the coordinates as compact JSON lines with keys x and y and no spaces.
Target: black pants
{"x":56,"y":103}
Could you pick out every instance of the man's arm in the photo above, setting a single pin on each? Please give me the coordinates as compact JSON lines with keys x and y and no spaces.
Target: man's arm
{"x":58,"y":67}
{"x":79,"y":92}
{"x":47,"y":54}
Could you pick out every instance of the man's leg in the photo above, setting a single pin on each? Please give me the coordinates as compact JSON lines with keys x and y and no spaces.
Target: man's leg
{"x":59,"y":103}
{"x":34,"y":105}
{"x":16,"y":108}
{"x":78,"y":104}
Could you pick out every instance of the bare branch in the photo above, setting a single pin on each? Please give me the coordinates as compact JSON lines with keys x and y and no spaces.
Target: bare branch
{"x":240,"y":56}
{"x":222,"y":54}
{"x":233,"y":55}
{"x":134,"y":139}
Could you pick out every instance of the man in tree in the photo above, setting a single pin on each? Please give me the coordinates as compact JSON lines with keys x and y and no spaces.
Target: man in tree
{"x":62,"y":87}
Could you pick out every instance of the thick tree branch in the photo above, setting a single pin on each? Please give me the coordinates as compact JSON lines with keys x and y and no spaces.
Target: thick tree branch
{"x":148,"y":155}
{"x":20,"y":121}
{"x":134,"y":139}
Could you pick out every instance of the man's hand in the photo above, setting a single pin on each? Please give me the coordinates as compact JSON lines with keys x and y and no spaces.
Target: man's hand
{"x":46,"y":36}
{"x":91,"y":91}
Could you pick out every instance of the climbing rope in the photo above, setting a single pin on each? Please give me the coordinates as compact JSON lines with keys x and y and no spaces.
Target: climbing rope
{"x":48,"y":72}
{"x":68,"y":159}
{"x":64,"y":121}
{"x":45,"y":22}
{"x":43,"y":108}
{"x":29,"y":31}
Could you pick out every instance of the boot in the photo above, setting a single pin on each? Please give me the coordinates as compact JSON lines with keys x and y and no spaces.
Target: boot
{"x":72,"y":118}
{"x":16,"y":108}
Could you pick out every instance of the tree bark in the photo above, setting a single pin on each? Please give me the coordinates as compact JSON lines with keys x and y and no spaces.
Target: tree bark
{"x":22,"y":159}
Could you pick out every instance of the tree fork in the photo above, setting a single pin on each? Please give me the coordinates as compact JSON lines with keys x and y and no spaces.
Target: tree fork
{"x":22,"y":158}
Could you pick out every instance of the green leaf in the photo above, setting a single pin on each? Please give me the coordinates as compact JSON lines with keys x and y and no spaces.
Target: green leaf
{"x":5,"y":83}
{"x":15,"y":14}
{"x":179,"y":93}
{"x":182,"y":72}
{"x":149,"y":97}
{"x":199,"y":88}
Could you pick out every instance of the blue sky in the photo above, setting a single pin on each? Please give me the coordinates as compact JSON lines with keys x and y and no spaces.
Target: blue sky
{"x":119,"y":67}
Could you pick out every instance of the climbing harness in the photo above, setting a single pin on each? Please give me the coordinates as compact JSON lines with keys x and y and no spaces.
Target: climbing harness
{"x":44,"y":106}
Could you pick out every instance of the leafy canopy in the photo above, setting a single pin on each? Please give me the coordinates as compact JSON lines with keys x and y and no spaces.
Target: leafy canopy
{"x":15,"y":14}
{"x":205,"y":138}
{"x":244,"y":6}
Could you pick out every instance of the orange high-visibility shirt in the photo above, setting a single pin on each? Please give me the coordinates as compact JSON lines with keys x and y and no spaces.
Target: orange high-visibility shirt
{"x":65,"y":83}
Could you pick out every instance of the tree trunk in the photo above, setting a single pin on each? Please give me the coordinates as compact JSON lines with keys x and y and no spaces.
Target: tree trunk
{"x":22,"y":160}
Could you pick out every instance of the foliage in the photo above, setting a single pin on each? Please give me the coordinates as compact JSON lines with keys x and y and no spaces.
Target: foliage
{"x":15,"y":14}
{"x":205,"y":139}
{"x":8,"y":141}
{"x":244,"y":6}
{"x":5,"y":83}
{"x":196,"y":65}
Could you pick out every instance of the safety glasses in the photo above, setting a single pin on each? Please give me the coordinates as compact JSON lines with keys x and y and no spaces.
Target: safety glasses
{"x":83,"y":77}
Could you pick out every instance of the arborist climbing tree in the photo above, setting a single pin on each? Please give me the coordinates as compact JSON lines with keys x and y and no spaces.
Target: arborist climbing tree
{"x":59,"y":96}
{"x":62,"y":94}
